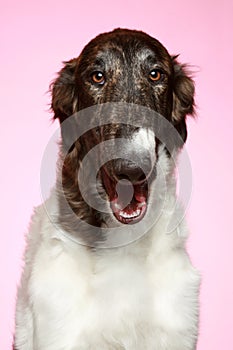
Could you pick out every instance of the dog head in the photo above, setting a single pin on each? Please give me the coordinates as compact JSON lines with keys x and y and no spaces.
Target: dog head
{"x":129,"y":67}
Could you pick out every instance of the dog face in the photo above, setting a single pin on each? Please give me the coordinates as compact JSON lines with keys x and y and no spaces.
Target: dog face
{"x":130,"y":67}
{"x":125,"y":66}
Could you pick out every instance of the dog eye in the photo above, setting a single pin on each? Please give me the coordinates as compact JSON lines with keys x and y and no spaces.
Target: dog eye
{"x":98,"y":78}
{"x":155,"y":75}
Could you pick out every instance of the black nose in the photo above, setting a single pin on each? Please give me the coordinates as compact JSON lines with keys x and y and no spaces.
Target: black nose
{"x":126,"y":169}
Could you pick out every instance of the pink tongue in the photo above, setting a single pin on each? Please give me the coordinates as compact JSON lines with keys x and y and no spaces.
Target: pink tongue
{"x":127,"y":197}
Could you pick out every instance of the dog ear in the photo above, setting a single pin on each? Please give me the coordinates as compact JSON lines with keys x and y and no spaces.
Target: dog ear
{"x":183,"y":97}
{"x":64,"y":96}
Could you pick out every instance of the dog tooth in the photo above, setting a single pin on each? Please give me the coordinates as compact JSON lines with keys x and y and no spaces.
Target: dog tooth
{"x":140,"y":205}
{"x":130,"y":216}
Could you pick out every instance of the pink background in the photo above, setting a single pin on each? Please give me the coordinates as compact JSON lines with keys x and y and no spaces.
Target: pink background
{"x":35,"y":38}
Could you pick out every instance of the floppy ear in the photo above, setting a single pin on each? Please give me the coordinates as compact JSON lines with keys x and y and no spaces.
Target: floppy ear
{"x":183,"y":97}
{"x":64,"y":96}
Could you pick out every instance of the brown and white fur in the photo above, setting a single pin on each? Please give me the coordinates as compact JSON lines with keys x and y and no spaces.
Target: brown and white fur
{"x":74,"y":294}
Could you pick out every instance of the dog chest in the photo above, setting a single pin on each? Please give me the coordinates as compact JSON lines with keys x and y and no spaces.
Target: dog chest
{"x":77,"y":301}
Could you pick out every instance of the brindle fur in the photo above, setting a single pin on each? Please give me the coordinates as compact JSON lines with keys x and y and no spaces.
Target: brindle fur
{"x":125,"y":57}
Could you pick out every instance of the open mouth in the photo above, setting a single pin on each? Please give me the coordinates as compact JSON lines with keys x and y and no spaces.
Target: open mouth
{"x":128,"y":201}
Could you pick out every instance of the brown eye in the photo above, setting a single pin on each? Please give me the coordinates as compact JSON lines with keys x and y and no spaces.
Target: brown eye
{"x":98,"y":78}
{"x":155,"y":75}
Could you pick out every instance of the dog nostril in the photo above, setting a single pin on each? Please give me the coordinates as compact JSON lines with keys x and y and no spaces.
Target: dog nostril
{"x":131,"y":174}
{"x":127,"y":170}
{"x":123,"y":177}
{"x":142,"y":177}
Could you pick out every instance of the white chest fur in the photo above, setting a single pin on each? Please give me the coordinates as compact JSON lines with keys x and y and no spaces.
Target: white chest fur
{"x":111,"y":300}
{"x":79,"y":302}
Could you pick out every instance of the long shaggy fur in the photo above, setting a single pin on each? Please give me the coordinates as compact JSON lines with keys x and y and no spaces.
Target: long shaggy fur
{"x":141,"y":296}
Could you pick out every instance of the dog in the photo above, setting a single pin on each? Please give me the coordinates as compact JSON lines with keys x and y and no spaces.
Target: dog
{"x":105,"y":265}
